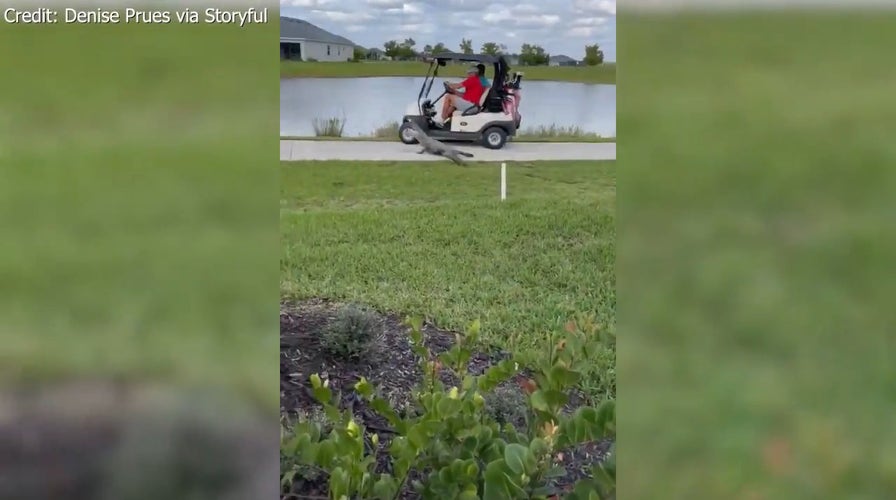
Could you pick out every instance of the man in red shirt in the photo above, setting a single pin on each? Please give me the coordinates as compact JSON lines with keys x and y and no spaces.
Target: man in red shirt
{"x":473,"y":91}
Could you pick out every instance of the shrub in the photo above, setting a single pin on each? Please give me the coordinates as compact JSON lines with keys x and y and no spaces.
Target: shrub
{"x":351,"y":332}
{"x":555,"y":130}
{"x":388,"y":130}
{"x":454,"y":448}
{"x":328,"y":127}
{"x":506,"y":405}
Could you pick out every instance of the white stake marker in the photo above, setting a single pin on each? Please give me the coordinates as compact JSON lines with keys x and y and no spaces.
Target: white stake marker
{"x":503,"y":181}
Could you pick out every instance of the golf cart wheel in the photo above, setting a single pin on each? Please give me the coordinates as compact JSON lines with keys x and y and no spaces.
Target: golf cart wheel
{"x":494,"y":138}
{"x":405,"y":133}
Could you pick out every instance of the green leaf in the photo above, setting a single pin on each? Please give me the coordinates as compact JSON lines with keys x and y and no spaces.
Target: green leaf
{"x":339,"y":482}
{"x":564,"y":377}
{"x":606,"y":417}
{"x":473,"y":329}
{"x":364,"y":388}
{"x":499,"y":482}
{"x":469,"y":494}
{"x":381,"y":406}
{"x":415,"y":322}
{"x":539,"y":446}
{"x":539,"y":402}
{"x":385,"y":487}
{"x":555,"y":399}
{"x":447,"y":407}
{"x":323,"y":395}
{"x":416,"y":438}
{"x":325,"y":454}
{"x":519,"y":459}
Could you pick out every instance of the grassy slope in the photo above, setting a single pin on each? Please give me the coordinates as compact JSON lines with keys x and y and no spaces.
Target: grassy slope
{"x":136,"y":209}
{"x":433,"y":239}
{"x":755,"y":270}
{"x":604,"y":73}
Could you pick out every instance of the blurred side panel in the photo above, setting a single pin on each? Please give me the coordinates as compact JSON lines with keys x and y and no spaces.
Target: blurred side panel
{"x":138,"y":259}
{"x":755,"y":283}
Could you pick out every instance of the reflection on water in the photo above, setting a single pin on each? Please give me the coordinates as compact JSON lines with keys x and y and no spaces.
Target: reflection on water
{"x":368,"y":103}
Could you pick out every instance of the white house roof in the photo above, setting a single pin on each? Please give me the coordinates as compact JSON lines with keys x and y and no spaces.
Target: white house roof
{"x":299,"y":29}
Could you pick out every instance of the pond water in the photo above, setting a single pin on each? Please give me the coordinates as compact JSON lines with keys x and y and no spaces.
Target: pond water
{"x":368,"y":103}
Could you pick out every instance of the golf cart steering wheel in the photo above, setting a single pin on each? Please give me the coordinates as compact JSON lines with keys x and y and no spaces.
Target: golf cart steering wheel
{"x":448,"y":89}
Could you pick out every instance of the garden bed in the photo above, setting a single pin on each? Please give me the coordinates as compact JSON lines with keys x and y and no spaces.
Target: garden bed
{"x":392,"y":367}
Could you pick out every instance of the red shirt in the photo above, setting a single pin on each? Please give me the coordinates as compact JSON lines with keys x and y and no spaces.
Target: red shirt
{"x":473,"y":89}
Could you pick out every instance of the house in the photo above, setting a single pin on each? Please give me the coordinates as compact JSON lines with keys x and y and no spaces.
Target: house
{"x":562,"y":60}
{"x":303,"y":41}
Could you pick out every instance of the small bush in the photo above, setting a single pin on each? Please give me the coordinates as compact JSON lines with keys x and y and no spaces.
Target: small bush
{"x":388,"y":130}
{"x":311,"y":59}
{"x":293,"y":471}
{"x":507,"y":405}
{"x":328,"y":127}
{"x":350,"y":334}
{"x":554,"y":130}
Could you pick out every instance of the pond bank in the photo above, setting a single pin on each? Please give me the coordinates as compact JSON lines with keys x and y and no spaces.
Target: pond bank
{"x":601,"y":74}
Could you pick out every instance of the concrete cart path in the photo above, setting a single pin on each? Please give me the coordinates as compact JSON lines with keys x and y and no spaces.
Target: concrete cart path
{"x":293,"y":150}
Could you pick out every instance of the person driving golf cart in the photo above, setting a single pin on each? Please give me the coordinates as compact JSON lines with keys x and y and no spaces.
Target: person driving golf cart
{"x":473,"y":91}
{"x":482,"y":78}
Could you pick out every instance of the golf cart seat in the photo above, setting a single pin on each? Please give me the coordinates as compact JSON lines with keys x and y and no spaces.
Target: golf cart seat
{"x":472,"y":110}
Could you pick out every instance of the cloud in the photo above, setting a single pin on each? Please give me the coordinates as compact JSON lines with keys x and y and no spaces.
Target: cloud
{"x":590,"y":21}
{"x":418,"y":28}
{"x":606,"y":7}
{"x":455,"y":5}
{"x":560,"y":26}
{"x":512,"y":19}
{"x":389,"y":4}
{"x":306,"y":3}
{"x":406,"y":9}
{"x":526,"y":8}
{"x":342,"y":17}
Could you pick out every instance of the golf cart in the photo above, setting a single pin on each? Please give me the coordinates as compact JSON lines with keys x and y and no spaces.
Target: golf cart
{"x":494,"y":118}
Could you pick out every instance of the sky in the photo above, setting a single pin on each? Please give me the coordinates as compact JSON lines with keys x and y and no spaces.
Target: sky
{"x":560,"y":26}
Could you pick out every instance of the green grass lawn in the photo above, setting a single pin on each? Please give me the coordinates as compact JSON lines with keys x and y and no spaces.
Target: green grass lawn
{"x":604,"y":73}
{"x":434,"y":239}
{"x":137,"y":213}
{"x":756,"y":256}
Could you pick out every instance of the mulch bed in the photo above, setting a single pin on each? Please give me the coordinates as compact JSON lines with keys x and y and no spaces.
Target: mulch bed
{"x":392,"y":368}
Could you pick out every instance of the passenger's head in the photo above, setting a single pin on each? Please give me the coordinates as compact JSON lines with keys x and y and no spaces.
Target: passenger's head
{"x":481,"y":69}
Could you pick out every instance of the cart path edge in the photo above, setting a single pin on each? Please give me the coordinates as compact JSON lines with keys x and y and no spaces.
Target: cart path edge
{"x":302,"y":150}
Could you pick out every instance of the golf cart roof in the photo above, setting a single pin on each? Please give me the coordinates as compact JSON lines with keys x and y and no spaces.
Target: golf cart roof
{"x":456,"y":56}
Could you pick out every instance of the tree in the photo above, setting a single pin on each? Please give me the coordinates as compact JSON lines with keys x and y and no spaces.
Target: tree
{"x":466,"y":46}
{"x":439,"y":48}
{"x":593,"y":55}
{"x":533,"y":55}
{"x":359,"y":53}
{"x":427,"y":49}
{"x":406,"y":49}
{"x":400,"y":50}
{"x":392,"y":49}
{"x":491,"y":48}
